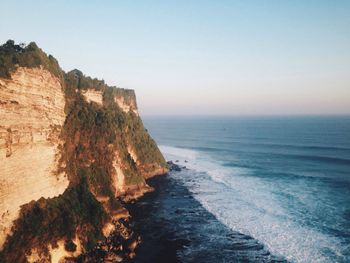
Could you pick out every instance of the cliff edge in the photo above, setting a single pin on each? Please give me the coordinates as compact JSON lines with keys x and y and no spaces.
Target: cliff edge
{"x":72,"y":150}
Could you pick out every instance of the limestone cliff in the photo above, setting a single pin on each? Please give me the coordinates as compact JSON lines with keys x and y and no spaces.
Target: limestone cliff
{"x":32,"y":114}
{"x":72,"y":149}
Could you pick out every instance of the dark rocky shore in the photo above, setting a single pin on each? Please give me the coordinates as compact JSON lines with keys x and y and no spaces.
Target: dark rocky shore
{"x":174,"y":227}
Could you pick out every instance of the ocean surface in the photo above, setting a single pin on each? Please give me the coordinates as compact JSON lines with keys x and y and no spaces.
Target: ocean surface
{"x":283,"y":181}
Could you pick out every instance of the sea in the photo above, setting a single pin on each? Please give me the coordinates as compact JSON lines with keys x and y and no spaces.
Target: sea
{"x":262,"y":189}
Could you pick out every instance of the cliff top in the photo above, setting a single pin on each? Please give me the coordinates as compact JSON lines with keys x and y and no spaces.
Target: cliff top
{"x":20,"y":55}
{"x":30,"y":56}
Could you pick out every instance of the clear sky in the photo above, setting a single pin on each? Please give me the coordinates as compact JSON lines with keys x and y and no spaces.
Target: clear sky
{"x":200,"y":57}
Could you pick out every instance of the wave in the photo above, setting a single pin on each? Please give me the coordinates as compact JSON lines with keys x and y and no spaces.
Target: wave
{"x":249,"y":205}
{"x":268,"y":153}
{"x":233,"y":142}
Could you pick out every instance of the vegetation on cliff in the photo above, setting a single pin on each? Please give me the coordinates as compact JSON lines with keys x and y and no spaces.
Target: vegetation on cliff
{"x":102,"y":131}
{"x":46,"y":221}
{"x":92,"y":135}
{"x":30,"y":56}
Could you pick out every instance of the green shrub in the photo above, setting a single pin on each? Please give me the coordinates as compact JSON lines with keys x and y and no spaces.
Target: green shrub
{"x":30,"y":56}
{"x":48,"y":220}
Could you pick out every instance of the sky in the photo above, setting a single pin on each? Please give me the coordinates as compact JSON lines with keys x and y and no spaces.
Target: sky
{"x":202,"y":57}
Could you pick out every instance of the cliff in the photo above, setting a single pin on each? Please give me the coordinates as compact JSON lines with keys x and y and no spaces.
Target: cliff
{"x":72,"y":150}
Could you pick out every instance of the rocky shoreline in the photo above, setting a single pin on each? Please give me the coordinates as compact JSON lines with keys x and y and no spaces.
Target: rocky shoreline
{"x":121,"y":244}
{"x":117,"y":247}
{"x":156,"y":244}
{"x":174,"y":227}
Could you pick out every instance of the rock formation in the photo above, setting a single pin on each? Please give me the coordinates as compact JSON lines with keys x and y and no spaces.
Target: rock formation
{"x":72,"y":149}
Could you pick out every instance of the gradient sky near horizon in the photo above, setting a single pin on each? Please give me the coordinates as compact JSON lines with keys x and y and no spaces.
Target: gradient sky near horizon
{"x":200,"y":57}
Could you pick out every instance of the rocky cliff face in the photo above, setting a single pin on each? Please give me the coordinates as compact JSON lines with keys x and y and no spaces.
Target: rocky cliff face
{"x":72,"y":150}
{"x":32,"y":115}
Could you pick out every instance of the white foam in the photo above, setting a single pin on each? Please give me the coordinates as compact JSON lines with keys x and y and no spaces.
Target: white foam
{"x":248,"y":204}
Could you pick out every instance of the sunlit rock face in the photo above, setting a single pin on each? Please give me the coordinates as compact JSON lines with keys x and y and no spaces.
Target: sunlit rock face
{"x":126,"y":105}
{"x":31,"y":117}
{"x":93,"y":96}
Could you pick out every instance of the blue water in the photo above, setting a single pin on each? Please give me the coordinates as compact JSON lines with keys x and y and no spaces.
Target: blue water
{"x":283,"y":181}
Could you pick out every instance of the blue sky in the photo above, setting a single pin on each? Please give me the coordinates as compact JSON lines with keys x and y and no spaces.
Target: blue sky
{"x":200,"y":57}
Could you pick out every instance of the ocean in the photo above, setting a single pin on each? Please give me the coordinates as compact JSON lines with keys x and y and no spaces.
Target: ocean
{"x":283,"y":182}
